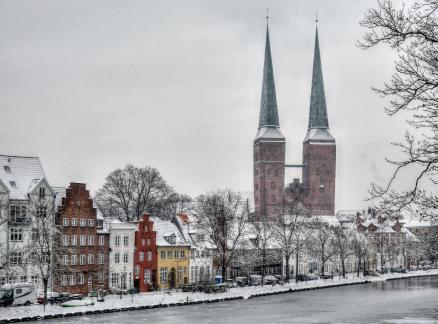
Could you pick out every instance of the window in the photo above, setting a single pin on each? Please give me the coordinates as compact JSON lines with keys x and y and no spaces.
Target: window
{"x":143,"y":242}
{"x":101,"y":258}
{"x":82,"y":240}
{"x":91,"y":222}
{"x":64,"y":279}
{"x":74,"y":240}
{"x":7,"y":169}
{"x":33,"y":279}
{"x":149,"y":242}
{"x":42,"y":192}
{"x":74,"y":222}
{"x":82,"y":259}
{"x":141,"y":256}
{"x":149,"y":256}
{"x":101,"y":240}
{"x":192,"y":273}
{"x":163,"y":275}
{"x":163,"y":254}
{"x":15,"y":258}
{"x":42,"y":211}
{"x":182,"y":254}
{"x":72,"y":280}
{"x":180,"y":274}
{"x":74,"y":259}
{"x":22,"y":280}
{"x":117,"y":258}
{"x":80,"y":278}
{"x":13,"y":184}
{"x":65,"y":240}
{"x":126,"y":240}
{"x":125,"y":257}
{"x":169,"y":254}
{"x":100,"y":277}
{"x":147,"y":276}
{"x":114,"y":279}
{"x":17,"y":213}
{"x":90,"y":258}
{"x":16,"y":234}
{"x":117,"y":241}
{"x":90,"y":240}
{"x":83,"y":222}
{"x":65,"y":259}
{"x":176,"y":254}
{"x":145,"y":228}
{"x":65,"y":221}
{"x":137,"y":269}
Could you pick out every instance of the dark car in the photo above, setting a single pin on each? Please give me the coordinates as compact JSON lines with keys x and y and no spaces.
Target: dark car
{"x":307,"y":277}
{"x":241,"y":281}
{"x":370,"y":273}
{"x":6,"y":297}
{"x":188,"y":288}
{"x":327,"y":276}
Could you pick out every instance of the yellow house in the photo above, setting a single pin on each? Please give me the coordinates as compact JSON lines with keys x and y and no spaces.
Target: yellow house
{"x":173,"y":254}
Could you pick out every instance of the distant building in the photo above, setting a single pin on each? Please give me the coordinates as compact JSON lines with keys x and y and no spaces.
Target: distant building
{"x":83,"y":244}
{"x":317,"y":189}
{"x":122,"y":247}
{"x":145,"y":255}
{"x":25,"y":193}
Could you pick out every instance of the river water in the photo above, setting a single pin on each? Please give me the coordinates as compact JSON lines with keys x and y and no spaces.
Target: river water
{"x":413,"y":300}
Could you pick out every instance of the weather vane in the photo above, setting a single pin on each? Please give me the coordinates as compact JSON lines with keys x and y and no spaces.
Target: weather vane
{"x":316,"y":17}
{"x":267,"y":15}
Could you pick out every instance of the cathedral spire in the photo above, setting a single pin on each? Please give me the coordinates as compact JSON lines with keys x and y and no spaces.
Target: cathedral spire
{"x":318,"y":108}
{"x":268,"y":104}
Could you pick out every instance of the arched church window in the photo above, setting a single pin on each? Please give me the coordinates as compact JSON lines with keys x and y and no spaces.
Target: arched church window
{"x":273,"y":198}
{"x":272,"y":185}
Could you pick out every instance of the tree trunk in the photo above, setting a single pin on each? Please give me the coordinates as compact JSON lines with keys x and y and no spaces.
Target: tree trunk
{"x":358,"y":266}
{"x":45,"y":284}
{"x":287,"y":269}
{"x":343,"y":268}
{"x":322,"y":268}
{"x":296,"y":266}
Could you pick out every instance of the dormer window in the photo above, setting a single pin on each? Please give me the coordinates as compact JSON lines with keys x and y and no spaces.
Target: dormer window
{"x":13,"y":184}
{"x":171,"y":239}
{"x":42,"y":192}
{"x":7,"y":169}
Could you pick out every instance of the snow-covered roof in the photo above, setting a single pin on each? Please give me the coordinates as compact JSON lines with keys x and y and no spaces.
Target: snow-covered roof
{"x":416,"y":223}
{"x":19,"y":174}
{"x":329,"y":220}
{"x":165,"y":230}
{"x":270,"y":133}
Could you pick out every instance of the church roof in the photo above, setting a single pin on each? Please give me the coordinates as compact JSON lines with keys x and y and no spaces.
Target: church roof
{"x":318,"y":108}
{"x":268,"y":104}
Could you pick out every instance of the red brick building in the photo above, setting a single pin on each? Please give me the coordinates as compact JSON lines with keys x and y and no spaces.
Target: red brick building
{"x":83,"y":253}
{"x":145,"y":255}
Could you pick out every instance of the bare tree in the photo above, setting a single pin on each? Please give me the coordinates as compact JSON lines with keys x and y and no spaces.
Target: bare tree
{"x":322,"y":243}
{"x":130,"y":192}
{"x":413,"y":33}
{"x":342,"y":244}
{"x":42,"y":251}
{"x":222,"y":216}
{"x":360,"y":249}
{"x":263,"y":244}
{"x":290,"y":228}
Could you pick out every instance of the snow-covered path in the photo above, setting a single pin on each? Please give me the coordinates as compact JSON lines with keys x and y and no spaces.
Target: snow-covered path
{"x":161,"y":299}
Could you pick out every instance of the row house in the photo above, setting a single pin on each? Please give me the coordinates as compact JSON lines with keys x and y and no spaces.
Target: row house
{"x":172,"y":254}
{"x":145,"y":255}
{"x":26,"y":200}
{"x":83,"y":253}
{"x":122,"y":247}
{"x":201,"y":251}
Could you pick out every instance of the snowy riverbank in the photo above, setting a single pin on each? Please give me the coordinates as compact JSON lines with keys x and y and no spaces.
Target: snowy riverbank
{"x":162,"y":299}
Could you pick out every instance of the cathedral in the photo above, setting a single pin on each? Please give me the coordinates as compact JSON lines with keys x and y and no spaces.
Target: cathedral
{"x":316,"y":190}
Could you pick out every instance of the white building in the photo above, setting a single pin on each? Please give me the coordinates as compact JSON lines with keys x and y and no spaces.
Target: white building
{"x":122,"y":246}
{"x":24,"y":193}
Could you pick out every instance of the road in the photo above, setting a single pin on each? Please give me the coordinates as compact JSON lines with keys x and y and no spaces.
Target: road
{"x":412,"y":300}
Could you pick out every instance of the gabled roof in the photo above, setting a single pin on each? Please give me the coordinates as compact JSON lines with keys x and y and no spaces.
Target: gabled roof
{"x":166,"y":229}
{"x":18,"y":173}
{"x":2,"y":185}
{"x":35,"y":183}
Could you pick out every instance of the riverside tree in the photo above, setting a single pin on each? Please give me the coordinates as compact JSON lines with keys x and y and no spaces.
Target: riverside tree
{"x":342,"y":244}
{"x":412,"y":32}
{"x":222,"y":216}
{"x":130,"y":192}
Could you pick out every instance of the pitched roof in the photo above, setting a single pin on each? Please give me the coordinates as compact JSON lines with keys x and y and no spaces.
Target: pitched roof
{"x":19,"y":173}
{"x":268,"y":104}
{"x":166,"y":229}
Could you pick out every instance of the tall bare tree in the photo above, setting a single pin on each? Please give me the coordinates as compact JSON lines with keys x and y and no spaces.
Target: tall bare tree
{"x":222,"y":216}
{"x":290,"y":229}
{"x":412,"y":32}
{"x":130,"y":192}
{"x":322,"y":243}
{"x":360,"y":249}
{"x":265,"y":254}
{"x":342,"y":244}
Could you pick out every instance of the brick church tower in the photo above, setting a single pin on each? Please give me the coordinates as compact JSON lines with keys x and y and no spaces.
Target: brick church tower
{"x":269,"y":146}
{"x":319,"y":148}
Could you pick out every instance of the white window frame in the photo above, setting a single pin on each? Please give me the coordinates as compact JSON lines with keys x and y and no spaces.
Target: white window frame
{"x":65,"y":221}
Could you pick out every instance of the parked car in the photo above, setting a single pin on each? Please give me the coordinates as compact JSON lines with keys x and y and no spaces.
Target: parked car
{"x":313,"y":276}
{"x":230,"y":283}
{"x":280,"y":279}
{"x":53,"y":297}
{"x":327,"y":276}
{"x":255,"y":280}
{"x":307,"y":277}
{"x":270,"y":280}
{"x":17,"y":294}
{"x":371,"y":273}
{"x":188,"y":288}
{"x":241,"y":281}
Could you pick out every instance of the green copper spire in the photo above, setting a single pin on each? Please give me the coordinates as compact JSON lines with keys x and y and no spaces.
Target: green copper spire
{"x":318,"y":108}
{"x":268,"y":104}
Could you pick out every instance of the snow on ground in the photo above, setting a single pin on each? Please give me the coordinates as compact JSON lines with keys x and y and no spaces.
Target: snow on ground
{"x":166,"y":297}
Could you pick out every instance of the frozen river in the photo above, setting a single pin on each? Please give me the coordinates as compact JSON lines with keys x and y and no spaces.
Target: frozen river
{"x":412,"y":300}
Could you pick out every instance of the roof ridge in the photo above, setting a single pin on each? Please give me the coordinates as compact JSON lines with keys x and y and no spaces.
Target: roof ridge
{"x":20,"y":156}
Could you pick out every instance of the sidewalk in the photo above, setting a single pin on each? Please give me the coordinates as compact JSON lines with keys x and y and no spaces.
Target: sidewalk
{"x":113,"y":303}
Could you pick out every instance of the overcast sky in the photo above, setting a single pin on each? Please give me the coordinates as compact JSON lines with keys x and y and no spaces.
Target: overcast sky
{"x":89,"y":86}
